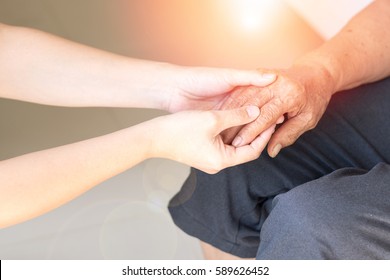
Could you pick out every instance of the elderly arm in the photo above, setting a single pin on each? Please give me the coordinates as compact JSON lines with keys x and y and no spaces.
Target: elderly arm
{"x":358,"y":54}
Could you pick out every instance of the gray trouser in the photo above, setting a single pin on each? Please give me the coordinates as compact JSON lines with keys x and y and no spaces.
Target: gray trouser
{"x":344,"y":215}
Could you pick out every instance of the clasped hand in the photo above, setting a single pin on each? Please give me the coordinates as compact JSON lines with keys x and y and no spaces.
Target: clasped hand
{"x":300,"y":96}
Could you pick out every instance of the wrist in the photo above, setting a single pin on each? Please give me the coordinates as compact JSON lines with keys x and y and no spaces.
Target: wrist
{"x":324,"y":69}
{"x":152,"y":83}
{"x":316,"y":77}
{"x":155,"y":138}
{"x":145,"y":137}
{"x":168,"y":89}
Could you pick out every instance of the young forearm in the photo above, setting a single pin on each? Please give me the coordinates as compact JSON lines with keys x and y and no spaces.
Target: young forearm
{"x":42,"y":68}
{"x":36,"y":183}
{"x":359,"y":53}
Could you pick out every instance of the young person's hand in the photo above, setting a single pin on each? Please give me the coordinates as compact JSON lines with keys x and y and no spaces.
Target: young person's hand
{"x":202,"y":88}
{"x":193,"y":138}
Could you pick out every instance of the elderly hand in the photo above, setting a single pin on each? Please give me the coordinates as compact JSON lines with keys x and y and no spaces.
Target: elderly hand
{"x":301,"y":94}
{"x":193,"y":138}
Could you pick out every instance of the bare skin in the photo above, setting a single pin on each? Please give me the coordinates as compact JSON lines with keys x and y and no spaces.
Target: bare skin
{"x":41,"y":68}
{"x":358,"y":54}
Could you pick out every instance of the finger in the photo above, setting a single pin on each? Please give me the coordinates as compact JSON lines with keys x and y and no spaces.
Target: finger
{"x":270,"y":114}
{"x":256,"y":77}
{"x":237,"y":98}
{"x":280,"y":120}
{"x":252,"y":151}
{"x":229,"y":134}
{"x":286,"y":135}
{"x":244,"y":96}
{"x":262,"y":140}
{"x":234,"y":99}
{"x":236,"y":117}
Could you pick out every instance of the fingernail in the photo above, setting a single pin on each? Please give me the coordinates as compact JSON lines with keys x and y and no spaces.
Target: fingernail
{"x":268,"y":76}
{"x":253,"y":111}
{"x":280,"y":120}
{"x":276,"y":150}
{"x":237,"y":141}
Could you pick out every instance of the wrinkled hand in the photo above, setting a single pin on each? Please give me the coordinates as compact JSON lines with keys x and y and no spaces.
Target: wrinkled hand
{"x":193,"y":138}
{"x":300,"y":93}
{"x":203,"y":88}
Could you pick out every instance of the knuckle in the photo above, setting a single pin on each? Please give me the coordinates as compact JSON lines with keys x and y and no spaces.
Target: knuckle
{"x":250,"y":131}
{"x":213,"y":119}
{"x":255,"y":152}
{"x":290,"y":139}
{"x":252,"y":91}
{"x":289,"y":90}
{"x":293,"y":86}
{"x":254,"y":95}
{"x":297,"y":88}
{"x":235,"y":99}
{"x":269,"y":112}
{"x":262,"y":93}
{"x":311,"y":120}
{"x":290,"y":136}
{"x":211,"y":171}
{"x":231,"y":103}
{"x":214,"y":165}
{"x":255,"y":155}
{"x":311,"y":125}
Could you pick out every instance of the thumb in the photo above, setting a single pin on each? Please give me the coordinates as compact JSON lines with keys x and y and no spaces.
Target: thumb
{"x":254,"y":77}
{"x":237,"y":117}
{"x":266,"y":77}
{"x":285,"y":136}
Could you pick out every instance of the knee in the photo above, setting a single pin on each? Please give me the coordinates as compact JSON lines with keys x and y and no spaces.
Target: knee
{"x":323,"y":219}
{"x":301,"y":211}
{"x":299,"y":225}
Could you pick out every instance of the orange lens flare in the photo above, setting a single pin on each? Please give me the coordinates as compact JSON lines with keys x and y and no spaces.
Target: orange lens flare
{"x":224,"y":33}
{"x":250,"y":15}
